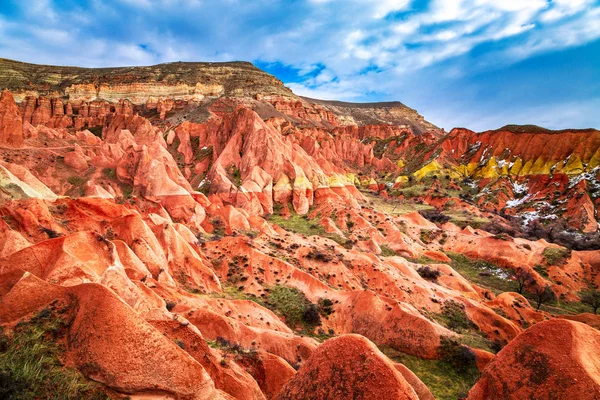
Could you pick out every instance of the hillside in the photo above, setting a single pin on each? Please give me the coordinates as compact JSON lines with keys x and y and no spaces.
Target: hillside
{"x":198,"y":231}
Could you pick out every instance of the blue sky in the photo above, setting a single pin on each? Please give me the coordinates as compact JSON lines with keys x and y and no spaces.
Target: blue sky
{"x":479,"y":64}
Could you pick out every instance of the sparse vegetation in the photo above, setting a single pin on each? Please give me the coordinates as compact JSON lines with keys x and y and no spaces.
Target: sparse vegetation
{"x":429,"y":273}
{"x":444,"y":381}
{"x":482,"y":273}
{"x":109,"y":173}
{"x":387,"y":251}
{"x":293,"y":305}
{"x":302,"y":224}
{"x":555,"y":256}
{"x":459,"y":356}
{"x":31,"y":366}
{"x":591,"y":297}
{"x":76,"y":180}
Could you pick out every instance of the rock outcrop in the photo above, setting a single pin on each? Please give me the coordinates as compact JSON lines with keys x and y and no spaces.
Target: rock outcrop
{"x":555,"y":359}
{"x":348,"y":367}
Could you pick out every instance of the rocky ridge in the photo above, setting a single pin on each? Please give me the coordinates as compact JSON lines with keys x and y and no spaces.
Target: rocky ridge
{"x":248,"y":234}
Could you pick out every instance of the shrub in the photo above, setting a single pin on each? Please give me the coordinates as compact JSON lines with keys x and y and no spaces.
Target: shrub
{"x":109,"y":173}
{"x":96,"y":130}
{"x":293,"y":305}
{"x":170,"y":305}
{"x":311,"y":315}
{"x":455,"y":316}
{"x":76,"y":180}
{"x":429,"y":273}
{"x":554,"y":256}
{"x":325,"y":306}
{"x":591,"y":297}
{"x":434,"y":216}
{"x":459,"y":356}
{"x":319,"y":256}
{"x":52,"y":234}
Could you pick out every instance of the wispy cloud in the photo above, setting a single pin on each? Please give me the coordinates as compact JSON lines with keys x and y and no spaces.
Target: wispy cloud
{"x":345,"y":49}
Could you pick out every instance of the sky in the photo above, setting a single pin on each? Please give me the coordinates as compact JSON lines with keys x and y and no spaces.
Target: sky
{"x":480,"y":64}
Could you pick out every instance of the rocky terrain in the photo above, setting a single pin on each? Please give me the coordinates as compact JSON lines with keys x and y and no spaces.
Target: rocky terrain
{"x":198,"y":231}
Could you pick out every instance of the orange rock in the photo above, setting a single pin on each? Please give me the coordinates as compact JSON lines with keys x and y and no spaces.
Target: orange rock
{"x":11,"y":126}
{"x":115,"y":347}
{"x":553,"y":359}
{"x":350,"y":367}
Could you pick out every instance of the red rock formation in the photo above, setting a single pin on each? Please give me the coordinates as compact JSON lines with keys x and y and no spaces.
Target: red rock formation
{"x":348,"y":367}
{"x":553,"y":359}
{"x":11,"y":127}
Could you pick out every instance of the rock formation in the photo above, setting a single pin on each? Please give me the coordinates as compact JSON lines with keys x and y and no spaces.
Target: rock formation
{"x":197,"y":230}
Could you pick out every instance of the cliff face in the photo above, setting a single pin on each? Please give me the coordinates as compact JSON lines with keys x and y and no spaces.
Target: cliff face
{"x":238,"y":226}
{"x":178,"y":81}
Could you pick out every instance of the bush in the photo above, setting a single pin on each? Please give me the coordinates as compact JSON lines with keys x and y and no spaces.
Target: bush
{"x":429,"y":273}
{"x":459,"y":356}
{"x":52,"y":234}
{"x":591,"y":297}
{"x":311,"y":315}
{"x":109,"y":173}
{"x":434,"y":216}
{"x":554,"y":256}
{"x":455,"y":316}
{"x":293,"y":305}
{"x":170,"y":305}
{"x":319,"y":256}
{"x":325,"y":306}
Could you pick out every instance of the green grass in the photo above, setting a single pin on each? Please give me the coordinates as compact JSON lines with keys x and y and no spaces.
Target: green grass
{"x":234,"y":293}
{"x":303,"y":225}
{"x":454,"y":317}
{"x":110,"y":173}
{"x":466,"y":219}
{"x":393,"y":206}
{"x":31,"y":366}
{"x":554,"y":256}
{"x":440,"y":377}
{"x":76,"y":180}
{"x":481,"y":273}
{"x":386,"y":251}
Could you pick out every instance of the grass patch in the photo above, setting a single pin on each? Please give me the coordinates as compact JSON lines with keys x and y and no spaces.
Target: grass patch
{"x":482,"y":273}
{"x":554,"y":256}
{"x":440,"y":377}
{"x":109,"y":173}
{"x":386,"y":251}
{"x":31,"y":367}
{"x":303,"y":225}
{"x":76,"y":180}
{"x":465,"y":219}
{"x":234,"y":293}
{"x":293,"y":305}
{"x":394,"y":206}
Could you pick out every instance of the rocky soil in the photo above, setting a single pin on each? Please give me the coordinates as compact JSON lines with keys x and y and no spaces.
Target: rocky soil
{"x":197,"y":231}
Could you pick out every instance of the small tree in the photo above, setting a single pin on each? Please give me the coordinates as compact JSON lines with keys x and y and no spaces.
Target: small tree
{"x":543,"y":294}
{"x":591,"y":297}
{"x":523,"y":278}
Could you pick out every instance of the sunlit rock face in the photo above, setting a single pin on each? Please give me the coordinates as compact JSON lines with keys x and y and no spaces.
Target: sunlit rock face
{"x":204,"y":233}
